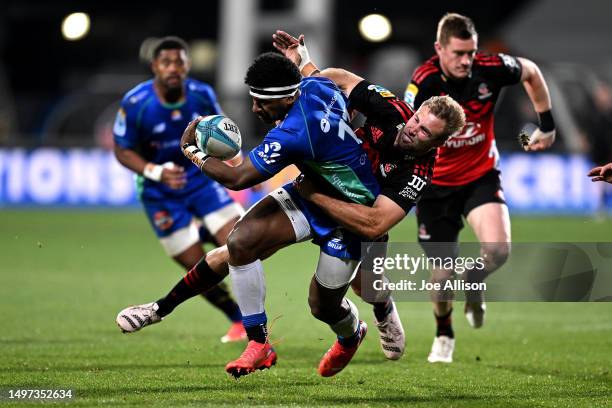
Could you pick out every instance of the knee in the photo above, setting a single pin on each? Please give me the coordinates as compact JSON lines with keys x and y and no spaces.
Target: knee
{"x":441,"y":276}
{"x":495,"y":255}
{"x":242,"y":244}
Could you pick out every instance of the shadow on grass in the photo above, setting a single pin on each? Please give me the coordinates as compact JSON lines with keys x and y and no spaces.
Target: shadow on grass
{"x":274,"y":394}
{"x":106,"y":367}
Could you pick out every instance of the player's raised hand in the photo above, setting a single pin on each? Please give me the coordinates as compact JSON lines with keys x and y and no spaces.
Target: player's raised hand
{"x":540,"y":140}
{"x":531,"y":138}
{"x":288,"y":45}
{"x":601,"y":173}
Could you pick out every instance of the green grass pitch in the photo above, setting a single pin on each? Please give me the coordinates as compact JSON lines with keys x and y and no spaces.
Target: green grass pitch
{"x":65,"y":275}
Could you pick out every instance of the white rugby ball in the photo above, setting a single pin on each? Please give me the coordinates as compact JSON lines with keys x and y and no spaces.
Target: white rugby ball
{"x":218,"y":136}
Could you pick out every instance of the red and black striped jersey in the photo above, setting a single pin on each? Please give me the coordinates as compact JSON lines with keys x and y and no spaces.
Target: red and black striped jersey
{"x":402,"y":177}
{"x":472,"y":153}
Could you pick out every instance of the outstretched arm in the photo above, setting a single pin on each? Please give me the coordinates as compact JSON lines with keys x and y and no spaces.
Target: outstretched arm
{"x":536,"y":88}
{"x":368,"y":222}
{"x":235,"y":178}
{"x":295,"y":49}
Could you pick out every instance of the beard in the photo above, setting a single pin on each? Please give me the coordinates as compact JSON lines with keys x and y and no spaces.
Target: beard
{"x":172,"y":95}
{"x":265,"y":118}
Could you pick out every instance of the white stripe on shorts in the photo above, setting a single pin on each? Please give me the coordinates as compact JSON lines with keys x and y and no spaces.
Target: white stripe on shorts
{"x":217,"y":219}
{"x":293,"y":212}
{"x":180,"y":240}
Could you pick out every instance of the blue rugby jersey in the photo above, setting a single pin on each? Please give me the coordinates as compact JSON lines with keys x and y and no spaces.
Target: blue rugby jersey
{"x":154,"y":130}
{"x":316,"y":137}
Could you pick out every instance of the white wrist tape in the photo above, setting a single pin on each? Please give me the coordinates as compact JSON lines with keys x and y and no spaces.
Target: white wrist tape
{"x":538,"y":135}
{"x":305,"y":57}
{"x":194,"y":154}
{"x":153,"y":171}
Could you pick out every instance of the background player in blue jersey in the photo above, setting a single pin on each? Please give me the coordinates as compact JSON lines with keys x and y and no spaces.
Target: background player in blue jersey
{"x":176,"y":196}
{"x":313,"y":134}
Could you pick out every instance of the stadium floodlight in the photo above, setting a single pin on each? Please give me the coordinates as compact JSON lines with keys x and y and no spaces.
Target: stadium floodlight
{"x":75,"y":26}
{"x":375,"y":27}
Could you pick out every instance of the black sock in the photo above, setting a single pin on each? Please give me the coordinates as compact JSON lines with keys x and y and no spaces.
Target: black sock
{"x":353,"y":340}
{"x":199,"y":279}
{"x":444,"y":326}
{"x":259,"y":333}
{"x":220,"y":297}
{"x":382,"y":310}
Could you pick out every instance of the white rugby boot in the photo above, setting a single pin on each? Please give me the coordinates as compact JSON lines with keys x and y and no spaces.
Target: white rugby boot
{"x":392,"y":337}
{"x":133,"y":318}
{"x":442,"y":350}
{"x":475,"y":313}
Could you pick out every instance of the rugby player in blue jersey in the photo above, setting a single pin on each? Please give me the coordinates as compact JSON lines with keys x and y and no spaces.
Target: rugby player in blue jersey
{"x":283,"y":218}
{"x":311,"y":133}
{"x":176,"y":196}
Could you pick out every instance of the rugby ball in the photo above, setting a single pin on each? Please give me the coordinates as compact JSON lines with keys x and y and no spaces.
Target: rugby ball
{"x":218,"y":136}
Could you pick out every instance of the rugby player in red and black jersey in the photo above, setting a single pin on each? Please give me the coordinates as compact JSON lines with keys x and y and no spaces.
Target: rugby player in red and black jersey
{"x":466,"y":181}
{"x":401,"y":145}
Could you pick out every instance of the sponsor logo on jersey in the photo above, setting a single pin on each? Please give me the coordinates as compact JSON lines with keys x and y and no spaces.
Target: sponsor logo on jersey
{"x":138,"y":96}
{"x":411,"y":191}
{"x":376,"y":133}
{"x":472,"y":134}
{"x":325,"y":121}
{"x":384,"y":92}
{"x":335,"y":243}
{"x":325,"y":125}
{"x":162,"y":220}
{"x":363,"y":158}
{"x":176,"y":115}
{"x":411,"y":92}
{"x":483,"y":91}
{"x":270,"y":152}
{"x":159,"y":128}
{"x":417,"y":182}
{"x":119,"y":127}
{"x":386,"y":168}
{"x":510,"y":62}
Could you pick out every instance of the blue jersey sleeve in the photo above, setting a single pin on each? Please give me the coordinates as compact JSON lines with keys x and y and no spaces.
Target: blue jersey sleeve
{"x":210,"y":92}
{"x":280,"y":148}
{"x":125,"y":129}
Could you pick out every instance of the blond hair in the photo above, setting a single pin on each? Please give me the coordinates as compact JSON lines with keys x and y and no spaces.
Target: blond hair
{"x":455,"y":25}
{"x":448,"y":110}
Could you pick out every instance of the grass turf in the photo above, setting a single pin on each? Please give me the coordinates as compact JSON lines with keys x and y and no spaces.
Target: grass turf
{"x":64,"y":276}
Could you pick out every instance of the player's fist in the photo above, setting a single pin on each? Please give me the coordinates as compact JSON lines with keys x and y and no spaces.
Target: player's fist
{"x":304,"y":186}
{"x":173,"y":176}
{"x":540,"y":140}
{"x":601,"y":173}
